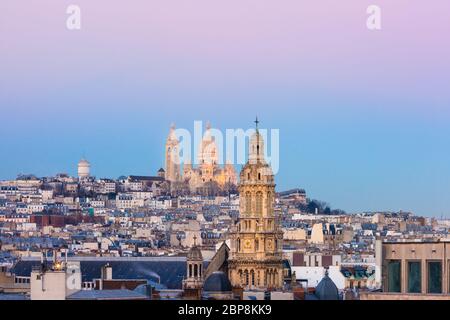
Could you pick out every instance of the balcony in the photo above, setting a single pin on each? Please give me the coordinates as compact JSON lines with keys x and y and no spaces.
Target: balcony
{"x":260,"y":256}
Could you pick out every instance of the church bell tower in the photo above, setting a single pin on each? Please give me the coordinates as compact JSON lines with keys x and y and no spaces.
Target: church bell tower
{"x":256,"y":240}
{"x":172,"y":173}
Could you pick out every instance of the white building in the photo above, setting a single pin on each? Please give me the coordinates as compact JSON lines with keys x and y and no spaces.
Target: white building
{"x":84,"y":168}
{"x":106,"y":186}
{"x":313,"y":275}
{"x":59,"y":281}
{"x":127,"y":201}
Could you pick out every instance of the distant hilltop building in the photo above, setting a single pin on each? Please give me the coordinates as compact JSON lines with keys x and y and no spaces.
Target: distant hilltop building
{"x":208,"y":175}
{"x":84,"y":168}
{"x":173,"y":171}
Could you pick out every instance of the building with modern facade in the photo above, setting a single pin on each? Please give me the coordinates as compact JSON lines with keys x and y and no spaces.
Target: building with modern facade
{"x":414,"y":270}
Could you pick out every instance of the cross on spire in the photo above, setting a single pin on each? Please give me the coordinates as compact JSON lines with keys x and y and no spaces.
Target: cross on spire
{"x":256,"y":122}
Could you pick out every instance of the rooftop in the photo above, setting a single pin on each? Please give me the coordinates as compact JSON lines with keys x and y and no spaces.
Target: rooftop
{"x":122,"y":294}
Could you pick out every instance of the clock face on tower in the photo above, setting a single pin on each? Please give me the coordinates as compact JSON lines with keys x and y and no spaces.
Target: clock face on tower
{"x":247,"y":244}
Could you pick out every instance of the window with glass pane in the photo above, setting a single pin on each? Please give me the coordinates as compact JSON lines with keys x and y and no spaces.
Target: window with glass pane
{"x":414,"y":277}
{"x":394,"y":276}
{"x":434,"y":277}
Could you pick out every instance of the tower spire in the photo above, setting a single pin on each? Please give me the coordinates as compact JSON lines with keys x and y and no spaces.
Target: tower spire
{"x":257,"y":250}
{"x":256,"y":123}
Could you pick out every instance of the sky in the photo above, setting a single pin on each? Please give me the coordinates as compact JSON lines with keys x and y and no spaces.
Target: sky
{"x":364,"y":115}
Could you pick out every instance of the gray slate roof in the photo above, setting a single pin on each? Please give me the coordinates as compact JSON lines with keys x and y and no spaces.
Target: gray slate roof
{"x":168,"y":271}
{"x":122,"y":294}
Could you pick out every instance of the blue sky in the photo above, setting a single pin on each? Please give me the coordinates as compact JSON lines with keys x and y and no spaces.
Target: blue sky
{"x":364,"y":117}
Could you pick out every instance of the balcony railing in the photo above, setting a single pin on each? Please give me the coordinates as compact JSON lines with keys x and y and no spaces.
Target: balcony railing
{"x":257,"y":256}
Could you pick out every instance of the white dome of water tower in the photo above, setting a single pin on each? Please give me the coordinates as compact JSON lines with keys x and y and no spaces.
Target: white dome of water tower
{"x":84,"y":168}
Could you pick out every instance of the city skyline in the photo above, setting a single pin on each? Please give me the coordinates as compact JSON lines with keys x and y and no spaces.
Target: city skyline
{"x":228,"y":158}
{"x":72,"y":171}
{"x":364,"y":126}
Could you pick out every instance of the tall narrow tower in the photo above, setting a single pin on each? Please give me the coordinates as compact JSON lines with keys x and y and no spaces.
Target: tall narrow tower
{"x":172,"y":156}
{"x":208,"y":155}
{"x":84,"y":168}
{"x":256,"y":240}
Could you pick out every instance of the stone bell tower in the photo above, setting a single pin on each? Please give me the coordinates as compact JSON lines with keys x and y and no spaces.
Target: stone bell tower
{"x":256,"y":240}
{"x":193,"y":283}
{"x":172,"y":157}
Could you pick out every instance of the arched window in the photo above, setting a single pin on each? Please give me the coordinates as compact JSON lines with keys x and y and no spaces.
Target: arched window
{"x":199,"y":270}
{"x":248,"y":202}
{"x":238,"y":244}
{"x":253,"y":277}
{"x":259,"y":175}
{"x":195,"y":270}
{"x":259,"y":202}
{"x":190,"y":270}
{"x":269,"y":201}
{"x":246,"y":277}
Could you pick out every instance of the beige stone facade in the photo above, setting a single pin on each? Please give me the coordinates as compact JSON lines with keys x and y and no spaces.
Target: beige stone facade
{"x":396,"y":296}
{"x":414,"y":270}
{"x":172,"y":157}
{"x":256,"y":240}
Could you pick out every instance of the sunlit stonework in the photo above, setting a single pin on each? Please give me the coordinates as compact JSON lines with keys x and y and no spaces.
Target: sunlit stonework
{"x":207,"y":175}
{"x":256,"y":240}
{"x":172,"y":157}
